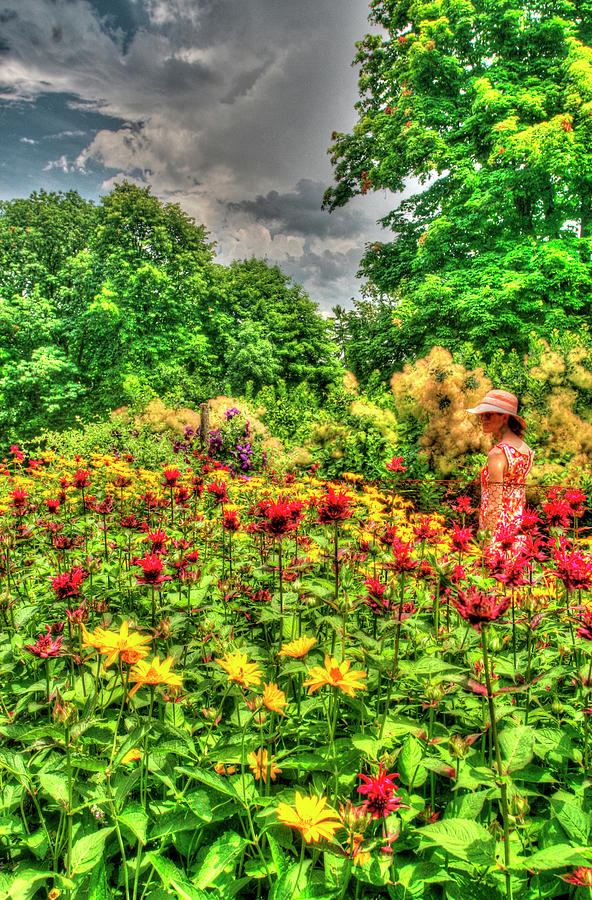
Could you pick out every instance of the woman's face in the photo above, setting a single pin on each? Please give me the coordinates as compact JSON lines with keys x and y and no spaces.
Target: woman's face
{"x":493,"y":422}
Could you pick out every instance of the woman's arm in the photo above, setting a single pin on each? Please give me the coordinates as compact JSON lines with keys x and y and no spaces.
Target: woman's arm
{"x":496,"y":467}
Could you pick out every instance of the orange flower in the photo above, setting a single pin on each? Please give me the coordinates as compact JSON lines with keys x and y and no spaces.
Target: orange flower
{"x":131,"y":755}
{"x":239,"y":669}
{"x":221,"y":769}
{"x":129,"y":646}
{"x":335,"y":674}
{"x":259,"y":763}
{"x":298,"y":648}
{"x":156,"y":672}
{"x":311,"y":817}
{"x":274,"y":699}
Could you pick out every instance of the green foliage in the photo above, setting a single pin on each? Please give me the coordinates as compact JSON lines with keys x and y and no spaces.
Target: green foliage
{"x":487,"y":106}
{"x":118,"y":303}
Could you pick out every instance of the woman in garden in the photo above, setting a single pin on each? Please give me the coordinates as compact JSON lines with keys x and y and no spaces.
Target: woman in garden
{"x":508,"y":463}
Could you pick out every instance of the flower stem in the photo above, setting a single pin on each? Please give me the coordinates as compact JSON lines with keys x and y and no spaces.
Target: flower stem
{"x":498,"y":757}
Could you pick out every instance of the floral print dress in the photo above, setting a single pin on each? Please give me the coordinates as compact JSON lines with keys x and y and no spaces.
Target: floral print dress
{"x":512,"y":498}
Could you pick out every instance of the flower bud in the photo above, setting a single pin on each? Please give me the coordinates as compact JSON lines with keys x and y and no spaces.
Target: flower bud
{"x":64,"y":712}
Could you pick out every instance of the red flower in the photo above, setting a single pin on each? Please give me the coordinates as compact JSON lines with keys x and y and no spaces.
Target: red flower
{"x":425,"y":530}
{"x":158,"y":539}
{"x":334,"y":507}
{"x":68,"y":584}
{"x":152,"y":570}
{"x":581,"y":876}
{"x":218,"y":491}
{"x":477,"y":607}
{"x":533,"y":549}
{"x":577,"y":500}
{"x":512,"y":573}
{"x":529,"y":521}
{"x":375,"y":598}
{"x":105,"y":506}
{"x":182,"y":495}
{"x":81,"y":478}
{"x":44,"y":647}
{"x":574,"y":569}
{"x":558,"y":513}
{"x":18,"y":499}
{"x":401,"y":560}
{"x":52,"y":506}
{"x":462,"y":506}
{"x":171,"y":476}
{"x":396,"y":464}
{"x":230,"y":521}
{"x":585,"y":629}
{"x":129,"y":522}
{"x":461,"y":537}
{"x":379,"y":791}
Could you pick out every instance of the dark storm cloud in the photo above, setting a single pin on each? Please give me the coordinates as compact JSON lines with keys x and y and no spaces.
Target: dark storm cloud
{"x":299,"y":212}
{"x":225,"y":106}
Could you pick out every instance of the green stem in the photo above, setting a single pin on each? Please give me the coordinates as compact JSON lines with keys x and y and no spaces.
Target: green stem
{"x":498,"y":757}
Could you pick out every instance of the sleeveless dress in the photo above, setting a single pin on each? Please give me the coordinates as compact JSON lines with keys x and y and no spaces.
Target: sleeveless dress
{"x":513,"y":496}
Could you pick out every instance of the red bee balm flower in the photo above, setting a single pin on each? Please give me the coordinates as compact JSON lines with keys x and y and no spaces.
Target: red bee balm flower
{"x":379,"y":790}
{"x":574,"y":569}
{"x":581,"y":876}
{"x":231,"y":521}
{"x":44,"y":647}
{"x":478,"y":608}
{"x":18,"y":499}
{"x":171,"y":476}
{"x":461,"y":537}
{"x":218,"y":491}
{"x":81,"y":478}
{"x":69,"y":583}
{"x":396,"y":464}
{"x":152,"y":570}
{"x":334,"y":507}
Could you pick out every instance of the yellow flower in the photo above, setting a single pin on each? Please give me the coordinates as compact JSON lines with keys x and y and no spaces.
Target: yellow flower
{"x":129,"y":646}
{"x":311,"y":817}
{"x":274,"y":699}
{"x":335,"y":674}
{"x":238,"y":669}
{"x":156,"y":672}
{"x":259,"y":763}
{"x":298,"y":648}
{"x":54,"y":894}
{"x":131,"y":755}
{"x":221,"y":769}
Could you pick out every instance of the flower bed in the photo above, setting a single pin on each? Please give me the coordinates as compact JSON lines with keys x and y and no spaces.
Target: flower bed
{"x":225,"y":685}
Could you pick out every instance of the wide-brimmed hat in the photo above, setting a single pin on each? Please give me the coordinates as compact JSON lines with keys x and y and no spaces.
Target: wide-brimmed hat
{"x":499,"y":401}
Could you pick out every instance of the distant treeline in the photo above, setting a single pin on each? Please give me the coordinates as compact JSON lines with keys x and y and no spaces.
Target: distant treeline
{"x":109,"y":304}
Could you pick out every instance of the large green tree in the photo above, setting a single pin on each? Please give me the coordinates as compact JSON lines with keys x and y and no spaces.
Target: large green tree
{"x":480,"y":111}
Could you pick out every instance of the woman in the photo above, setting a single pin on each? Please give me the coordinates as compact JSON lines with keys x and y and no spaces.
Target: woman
{"x":508,"y":463}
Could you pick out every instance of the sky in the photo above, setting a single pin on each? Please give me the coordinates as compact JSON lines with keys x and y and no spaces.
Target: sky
{"x":224,"y":106}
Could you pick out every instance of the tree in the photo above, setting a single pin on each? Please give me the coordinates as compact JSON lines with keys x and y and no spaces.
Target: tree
{"x":486,"y":107}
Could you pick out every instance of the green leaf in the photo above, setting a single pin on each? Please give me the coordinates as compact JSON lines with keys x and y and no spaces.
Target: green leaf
{"x":56,"y":786}
{"x":219,"y":856}
{"x":462,"y":838}
{"x":517,"y":748}
{"x":172,"y":877}
{"x":555,"y":857}
{"x":199,"y":804}
{"x":88,"y":850}
{"x":409,"y":763}
{"x":136,"y":819}
{"x":24,"y":882}
{"x":574,"y":821}
{"x":288,"y":886}
{"x":210,"y":779}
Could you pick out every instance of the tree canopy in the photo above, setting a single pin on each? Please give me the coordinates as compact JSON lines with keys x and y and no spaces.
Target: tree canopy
{"x":102,"y":305}
{"x":480,"y":111}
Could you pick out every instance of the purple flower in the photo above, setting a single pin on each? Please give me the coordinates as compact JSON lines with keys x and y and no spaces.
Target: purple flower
{"x":231,"y":413}
{"x":216,"y":441}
